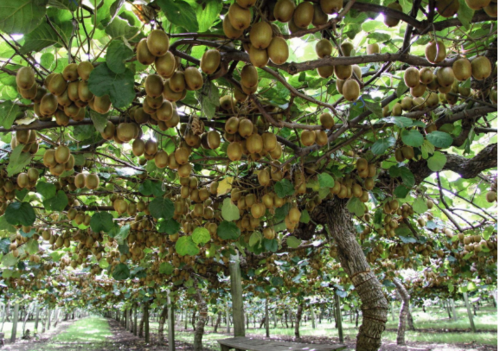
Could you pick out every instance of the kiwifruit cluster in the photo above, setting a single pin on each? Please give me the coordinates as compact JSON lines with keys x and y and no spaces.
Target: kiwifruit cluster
{"x":27,"y":138}
{"x":449,"y":8}
{"x":491,"y":195}
{"x":59,"y":160}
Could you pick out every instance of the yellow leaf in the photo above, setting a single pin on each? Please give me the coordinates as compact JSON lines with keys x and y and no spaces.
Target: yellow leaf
{"x":225,"y":186}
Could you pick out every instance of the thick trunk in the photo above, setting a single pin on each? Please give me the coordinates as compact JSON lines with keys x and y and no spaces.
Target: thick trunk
{"x":193,"y":320}
{"x":405,"y":301}
{"x":141,"y":326}
{"x":297,"y":321}
{"x":200,"y":325}
{"x":267,"y":317}
{"x":286,"y":318}
{"x":161,"y":325}
{"x":146,"y":323}
{"x":374,"y":304}
{"x":217,"y":322}
{"x":411,"y":325}
{"x":14,"y":324}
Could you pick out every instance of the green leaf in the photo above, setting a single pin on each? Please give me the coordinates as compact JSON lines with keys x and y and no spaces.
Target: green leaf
{"x":304,"y":217}
{"x":149,"y":187}
{"x":228,"y":231}
{"x":354,"y":205}
{"x":170,"y":227}
{"x":9,"y":260}
{"x":4,"y":245}
{"x":116,"y":56}
{"x":119,"y":87}
{"x":120,"y":233}
{"x":420,"y":205}
{"x":32,"y":247}
{"x":4,"y":225}
{"x":44,"y":36}
{"x":99,"y":121}
{"x":436,"y":162}
{"x":255,"y":238}
{"x":121,"y":272}
{"x":277,"y":281}
{"x":412,"y":138}
{"x":401,"y":88}
{"x":374,"y":107}
{"x":440,"y":139}
{"x":284,"y":188}
{"x":427,"y":148}
{"x":186,"y":246}
{"x":401,"y":122}
{"x":103,"y":263}
{"x":161,"y":208}
{"x":293,"y":242}
{"x":201,"y":235}
{"x":9,"y":112}
{"x":180,"y":13}
{"x":20,"y":213}
{"x":47,"y":190}
{"x":208,"y":97}
{"x":270,"y":245}
{"x":120,"y":28}
{"x":465,"y":14}
{"x":381,"y":145}
{"x":229,"y":211}
{"x":281,"y":212}
{"x":407,"y":176}
{"x":326,"y":180}
{"x":71,"y":5}
{"x":56,"y":203}
{"x":101,"y":221}
{"x":166,"y":268}
{"x":401,"y":191}
{"x":21,"y":16}
{"x":207,"y":13}
{"x":18,"y":160}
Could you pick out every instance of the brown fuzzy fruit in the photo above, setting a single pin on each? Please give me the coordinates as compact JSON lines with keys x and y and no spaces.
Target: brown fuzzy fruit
{"x":25,"y":78}
{"x":481,"y":67}
{"x":303,"y":15}
{"x":393,"y":21}
{"x":283,"y":10}
{"x":435,"y":51}
{"x":158,"y":42}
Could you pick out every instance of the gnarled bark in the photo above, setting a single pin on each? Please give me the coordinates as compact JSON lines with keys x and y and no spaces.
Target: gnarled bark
{"x":403,"y":314}
{"x":161,"y":325}
{"x":200,"y":324}
{"x":297,"y":320}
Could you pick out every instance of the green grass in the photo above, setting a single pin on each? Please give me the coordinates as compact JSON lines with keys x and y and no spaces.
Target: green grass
{"x":7,"y":328}
{"x":93,"y":329}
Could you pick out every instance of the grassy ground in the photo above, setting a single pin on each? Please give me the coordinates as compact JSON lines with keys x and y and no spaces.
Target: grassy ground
{"x":88,"y":330}
{"x":433,"y":326}
{"x":7,"y":329}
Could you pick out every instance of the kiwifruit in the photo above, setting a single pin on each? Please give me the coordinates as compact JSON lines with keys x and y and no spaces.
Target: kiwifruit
{"x":258,"y":57}
{"x":249,"y":76}
{"x":232,"y":125}
{"x":48,"y":105}
{"x":447,"y":8}
{"x":71,"y":110}
{"x":418,"y":103}
{"x":70,"y":72}
{"x":407,"y":103}
{"x":351,"y":90}
{"x":138,"y":147}
{"x":234,"y":151}
{"x":462,"y":69}
{"x":292,"y":27}
{"x":303,"y":15}
{"x":84,"y":69}
{"x":125,"y":131}
{"x":493,"y":96}
{"x":412,"y":77}
{"x":372,"y":49}
{"x":283,"y":10}
{"x":254,"y":144}
{"x":49,"y":158}
{"x":276,"y":152}
{"x":331,"y":6}
{"x":157,"y":42}
{"x":109,"y":131}
{"x":264,"y":177}
{"x":388,"y":19}
{"x":339,"y":85}
{"x":426,"y":75}
{"x":165,"y":112}
{"x":278,"y":50}
{"x":72,"y":91}
{"x":70,"y":164}
{"x":444,"y":90}
{"x":151,"y":147}
{"x":213,"y":139}
{"x":481,"y":67}
{"x":347,"y":48}
{"x":63,"y":99}
{"x":161,"y":159}
{"x":324,"y":48}
{"x":62,"y":154}
{"x":308,"y":137}
{"x":144,"y":56}
{"x":165,"y":65}
{"x":492,"y":9}
{"x":491,"y":196}
{"x":182,"y":155}
{"x":246,"y":3}
{"x":33,"y":174}
{"x":40,"y":92}
{"x":25,"y":78}
{"x":229,"y":30}
{"x":343,"y":71}
{"x":169,"y":94}
{"x":321,"y":137}
{"x":29,"y":93}
{"x":435,"y":51}
{"x":356,"y":70}
{"x":319,"y":17}
{"x":326,"y":120}
{"x":445,"y":76}
{"x":261,"y":35}
{"x":177,"y":82}
{"x":153,"y":85}
{"x":245,"y":127}
{"x":102,"y":104}
{"x":84,"y":93}
{"x":239,"y":17}
{"x":464,"y":91}
{"x":210,"y":61}
{"x":477,"y":4}
{"x":269,"y":141}
{"x":57,"y":84}
{"x":407,"y":152}
{"x":174,"y":121}
{"x":23,"y":136}
{"x":193,"y":78}
{"x":419,"y":90}
{"x":432,"y":100}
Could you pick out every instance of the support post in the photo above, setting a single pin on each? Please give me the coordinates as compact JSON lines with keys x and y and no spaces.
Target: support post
{"x":14,"y":323}
{"x":339,"y":318}
{"x":37,"y":316}
{"x":267,"y":317}
{"x":471,"y":318}
{"x":313,"y":317}
{"x":452,"y":303}
{"x":171,"y":323}
{"x":237,"y":295}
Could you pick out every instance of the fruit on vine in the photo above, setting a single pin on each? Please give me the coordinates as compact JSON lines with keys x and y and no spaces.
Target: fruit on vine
{"x":246,"y":3}
{"x":331,"y":6}
{"x":193,"y":78}
{"x":239,"y":17}
{"x":412,"y":77}
{"x":229,"y":30}
{"x":234,"y":151}
{"x":283,"y":10}
{"x":278,"y":50}
{"x":308,"y":137}
{"x":491,"y":196}
{"x":177,"y":83}
{"x":165,"y":65}
{"x":447,"y":8}
{"x":144,"y":56}
{"x":84,"y":69}
{"x":153,"y":86}
{"x":389,"y":20}
{"x":481,"y":67}
{"x":435,"y":51}
{"x":261,"y":35}
{"x":325,"y":71}
{"x":477,"y":4}
{"x":445,"y":76}
{"x":426,"y":75}
{"x":62,"y":154}
{"x":351,"y":90}
{"x":372,"y":49}
{"x":347,"y":48}
{"x":319,"y":18}
{"x":462,"y":69}
{"x":492,"y":9}
{"x":258,"y":57}
{"x":210,"y":61}
{"x":70,"y":72}
{"x":158,"y":42}
{"x":324,"y":48}
{"x":102,"y":104}
{"x":249,"y":76}
{"x":48,"y":105}
{"x":303,"y":15}
{"x":25,"y":78}
{"x":326,"y":120}
{"x":343,"y":71}
{"x":125,"y":132}
{"x":92,"y":181}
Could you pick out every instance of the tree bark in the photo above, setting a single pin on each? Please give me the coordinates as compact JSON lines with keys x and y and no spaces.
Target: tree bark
{"x":14,"y":323}
{"x":200,"y":325}
{"x":141,"y":326}
{"x":374,"y":306}
{"x":146,"y":322}
{"x":339,"y":318}
{"x":161,"y":324}
{"x":267,"y":317}
{"x":217,"y":322}
{"x":297,"y":320}
{"x":403,"y":313}
{"x":469,"y":313}
{"x":286,"y":318}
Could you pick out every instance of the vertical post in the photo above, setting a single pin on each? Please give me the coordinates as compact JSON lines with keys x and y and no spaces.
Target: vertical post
{"x":339,"y":318}
{"x":14,"y":323}
{"x":274,"y":318}
{"x":313,"y":317}
{"x":267,"y":317}
{"x":392,"y":310}
{"x":146,"y":322}
{"x":452,"y":303}
{"x":37,"y":316}
{"x":471,"y":318}
{"x":228,"y":327}
{"x":237,"y":295}
{"x":135,"y":320}
{"x":49,"y":312}
{"x":171,"y":323}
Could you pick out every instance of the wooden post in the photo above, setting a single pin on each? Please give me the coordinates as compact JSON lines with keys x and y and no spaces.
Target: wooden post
{"x":452,"y":303}
{"x":274,"y":318}
{"x":146,"y":322}
{"x":267,"y":317}
{"x":135,"y":320}
{"x":313,"y":317}
{"x":171,"y":323}
{"x":49,"y":312}
{"x":339,"y":318}
{"x":37,"y":316}
{"x":228,"y":327}
{"x":237,"y":295}
{"x":471,"y":318}
{"x":14,"y":323}
{"x":392,"y":310}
